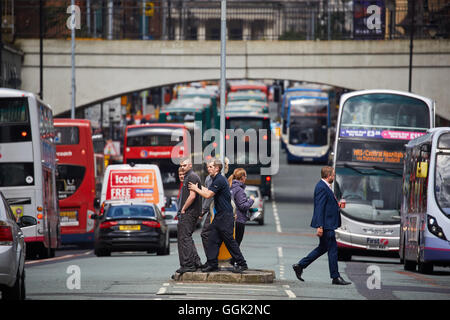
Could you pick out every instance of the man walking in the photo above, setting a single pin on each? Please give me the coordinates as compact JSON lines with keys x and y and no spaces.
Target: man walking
{"x":221,"y":228}
{"x":326,"y":219}
{"x":190,"y":210}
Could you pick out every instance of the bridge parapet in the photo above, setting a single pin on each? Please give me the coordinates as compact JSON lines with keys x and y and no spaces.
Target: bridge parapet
{"x":105,"y":69}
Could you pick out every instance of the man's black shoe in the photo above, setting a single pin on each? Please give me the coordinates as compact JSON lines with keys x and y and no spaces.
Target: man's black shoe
{"x":202,"y":266}
{"x":239,"y":269}
{"x":298,"y":271}
{"x":210,"y":269}
{"x":186,"y":269}
{"x":340,"y":281}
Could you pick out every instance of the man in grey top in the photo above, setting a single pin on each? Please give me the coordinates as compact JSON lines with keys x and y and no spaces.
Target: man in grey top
{"x":190,"y":210}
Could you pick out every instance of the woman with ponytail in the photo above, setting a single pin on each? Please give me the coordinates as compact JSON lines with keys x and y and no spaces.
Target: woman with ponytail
{"x":242,"y":202}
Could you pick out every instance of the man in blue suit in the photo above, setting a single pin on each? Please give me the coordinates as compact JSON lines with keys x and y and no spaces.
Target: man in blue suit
{"x":326,"y":219}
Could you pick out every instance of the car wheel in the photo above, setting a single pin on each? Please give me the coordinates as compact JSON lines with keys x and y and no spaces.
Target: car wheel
{"x":261,"y":220}
{"x":16,"y":292}
{"x":165,"y":250}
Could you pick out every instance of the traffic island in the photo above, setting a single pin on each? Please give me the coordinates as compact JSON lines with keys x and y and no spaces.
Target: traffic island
{"x":225,"y":275}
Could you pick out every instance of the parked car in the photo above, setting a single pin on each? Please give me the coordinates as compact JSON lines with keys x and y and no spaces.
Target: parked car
{"x":12,"y":252}
{"x":130,"y":226}
{"x":171,"y":217}
{"x":259,"y":201}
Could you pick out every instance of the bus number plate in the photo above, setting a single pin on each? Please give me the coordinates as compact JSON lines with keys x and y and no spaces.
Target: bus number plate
{"x":69,"y":218}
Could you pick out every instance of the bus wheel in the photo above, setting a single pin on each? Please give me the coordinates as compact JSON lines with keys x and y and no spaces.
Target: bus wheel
{"x":102,"y":252}
{"x":344,"y":255}
{"x":409,"y":265}
{"x":425,"y":267}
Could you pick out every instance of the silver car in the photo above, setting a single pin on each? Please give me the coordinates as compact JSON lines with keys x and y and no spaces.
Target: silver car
{"x":12,"y":252}
{"x":258,"y":204}
{"x":171,"y":217}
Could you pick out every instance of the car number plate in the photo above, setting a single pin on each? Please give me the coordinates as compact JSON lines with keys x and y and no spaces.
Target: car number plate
{"x":130,"y":228}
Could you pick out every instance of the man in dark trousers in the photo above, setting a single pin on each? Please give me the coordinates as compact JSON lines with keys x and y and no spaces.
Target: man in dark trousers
{"x":207,"y":203}
{"x":190,"y":209}
{"x":221,"y":228}
{"x":326,"y":219}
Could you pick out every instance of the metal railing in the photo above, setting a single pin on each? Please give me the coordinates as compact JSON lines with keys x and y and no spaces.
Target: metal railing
{"x":246,"y":20}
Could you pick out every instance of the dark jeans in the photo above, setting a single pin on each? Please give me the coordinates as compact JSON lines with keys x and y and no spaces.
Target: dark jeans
{"x":205,"y":232}
{"x":239,"y":232}
{"x":187,"y":252}
{"x":239,"y":235}
{"x":327,"y":244}
{"x":221,"y":230}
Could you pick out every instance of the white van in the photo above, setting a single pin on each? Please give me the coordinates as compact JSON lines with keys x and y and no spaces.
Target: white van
{"x":133,"y":182}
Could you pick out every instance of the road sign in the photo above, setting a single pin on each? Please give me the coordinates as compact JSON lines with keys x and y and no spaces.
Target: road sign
{"x":112,"y":148}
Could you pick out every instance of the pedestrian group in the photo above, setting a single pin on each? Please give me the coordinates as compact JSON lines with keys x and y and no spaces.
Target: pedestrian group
{"x":227,"y":208}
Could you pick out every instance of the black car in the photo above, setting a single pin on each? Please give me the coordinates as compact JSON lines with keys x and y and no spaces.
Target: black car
{"x":131,"y":226}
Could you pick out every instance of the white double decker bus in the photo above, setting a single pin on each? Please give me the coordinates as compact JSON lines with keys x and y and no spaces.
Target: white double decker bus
{"x":373,"y":128}
{"x":27,"y":168}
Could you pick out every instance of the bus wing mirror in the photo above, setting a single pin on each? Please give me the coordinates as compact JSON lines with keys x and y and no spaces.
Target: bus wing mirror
{"x":27,"y":221}
{"x":422,"y":170}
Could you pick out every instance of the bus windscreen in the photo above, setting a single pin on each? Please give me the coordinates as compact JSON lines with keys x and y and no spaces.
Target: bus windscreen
{"x":67,"y":135}
{"x":385,"y":112}
{"x":152,"y":137}
{"x":69,"y":179}
{"x":14,"y":120}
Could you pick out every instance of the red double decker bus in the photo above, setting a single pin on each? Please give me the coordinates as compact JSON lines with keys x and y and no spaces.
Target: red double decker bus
{"x":158,"y":143}
{"x":78,"y":169}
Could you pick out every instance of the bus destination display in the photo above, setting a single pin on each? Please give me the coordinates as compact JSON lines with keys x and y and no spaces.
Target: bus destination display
{"x":381,"y":156}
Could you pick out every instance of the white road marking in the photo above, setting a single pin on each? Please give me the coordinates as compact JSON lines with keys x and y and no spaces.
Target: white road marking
{"x":275,"y":210}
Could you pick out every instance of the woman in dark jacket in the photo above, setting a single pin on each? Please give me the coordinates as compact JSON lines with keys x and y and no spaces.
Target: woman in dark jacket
{"x":242,"y":202}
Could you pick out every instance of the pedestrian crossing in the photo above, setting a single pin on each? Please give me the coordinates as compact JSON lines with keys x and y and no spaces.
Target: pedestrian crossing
{"x":221,"y":291}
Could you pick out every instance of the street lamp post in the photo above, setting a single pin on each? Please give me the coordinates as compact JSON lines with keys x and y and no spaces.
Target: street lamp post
{"x":73,"y":25}
{"x":223,"y":40}
{"x":411,"y":42}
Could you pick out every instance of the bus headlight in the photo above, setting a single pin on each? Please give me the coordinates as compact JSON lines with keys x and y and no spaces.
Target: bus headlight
{"x":435,"y":229}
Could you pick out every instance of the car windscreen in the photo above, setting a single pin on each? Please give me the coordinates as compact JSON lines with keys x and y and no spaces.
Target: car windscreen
{"x":130,"y":211}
